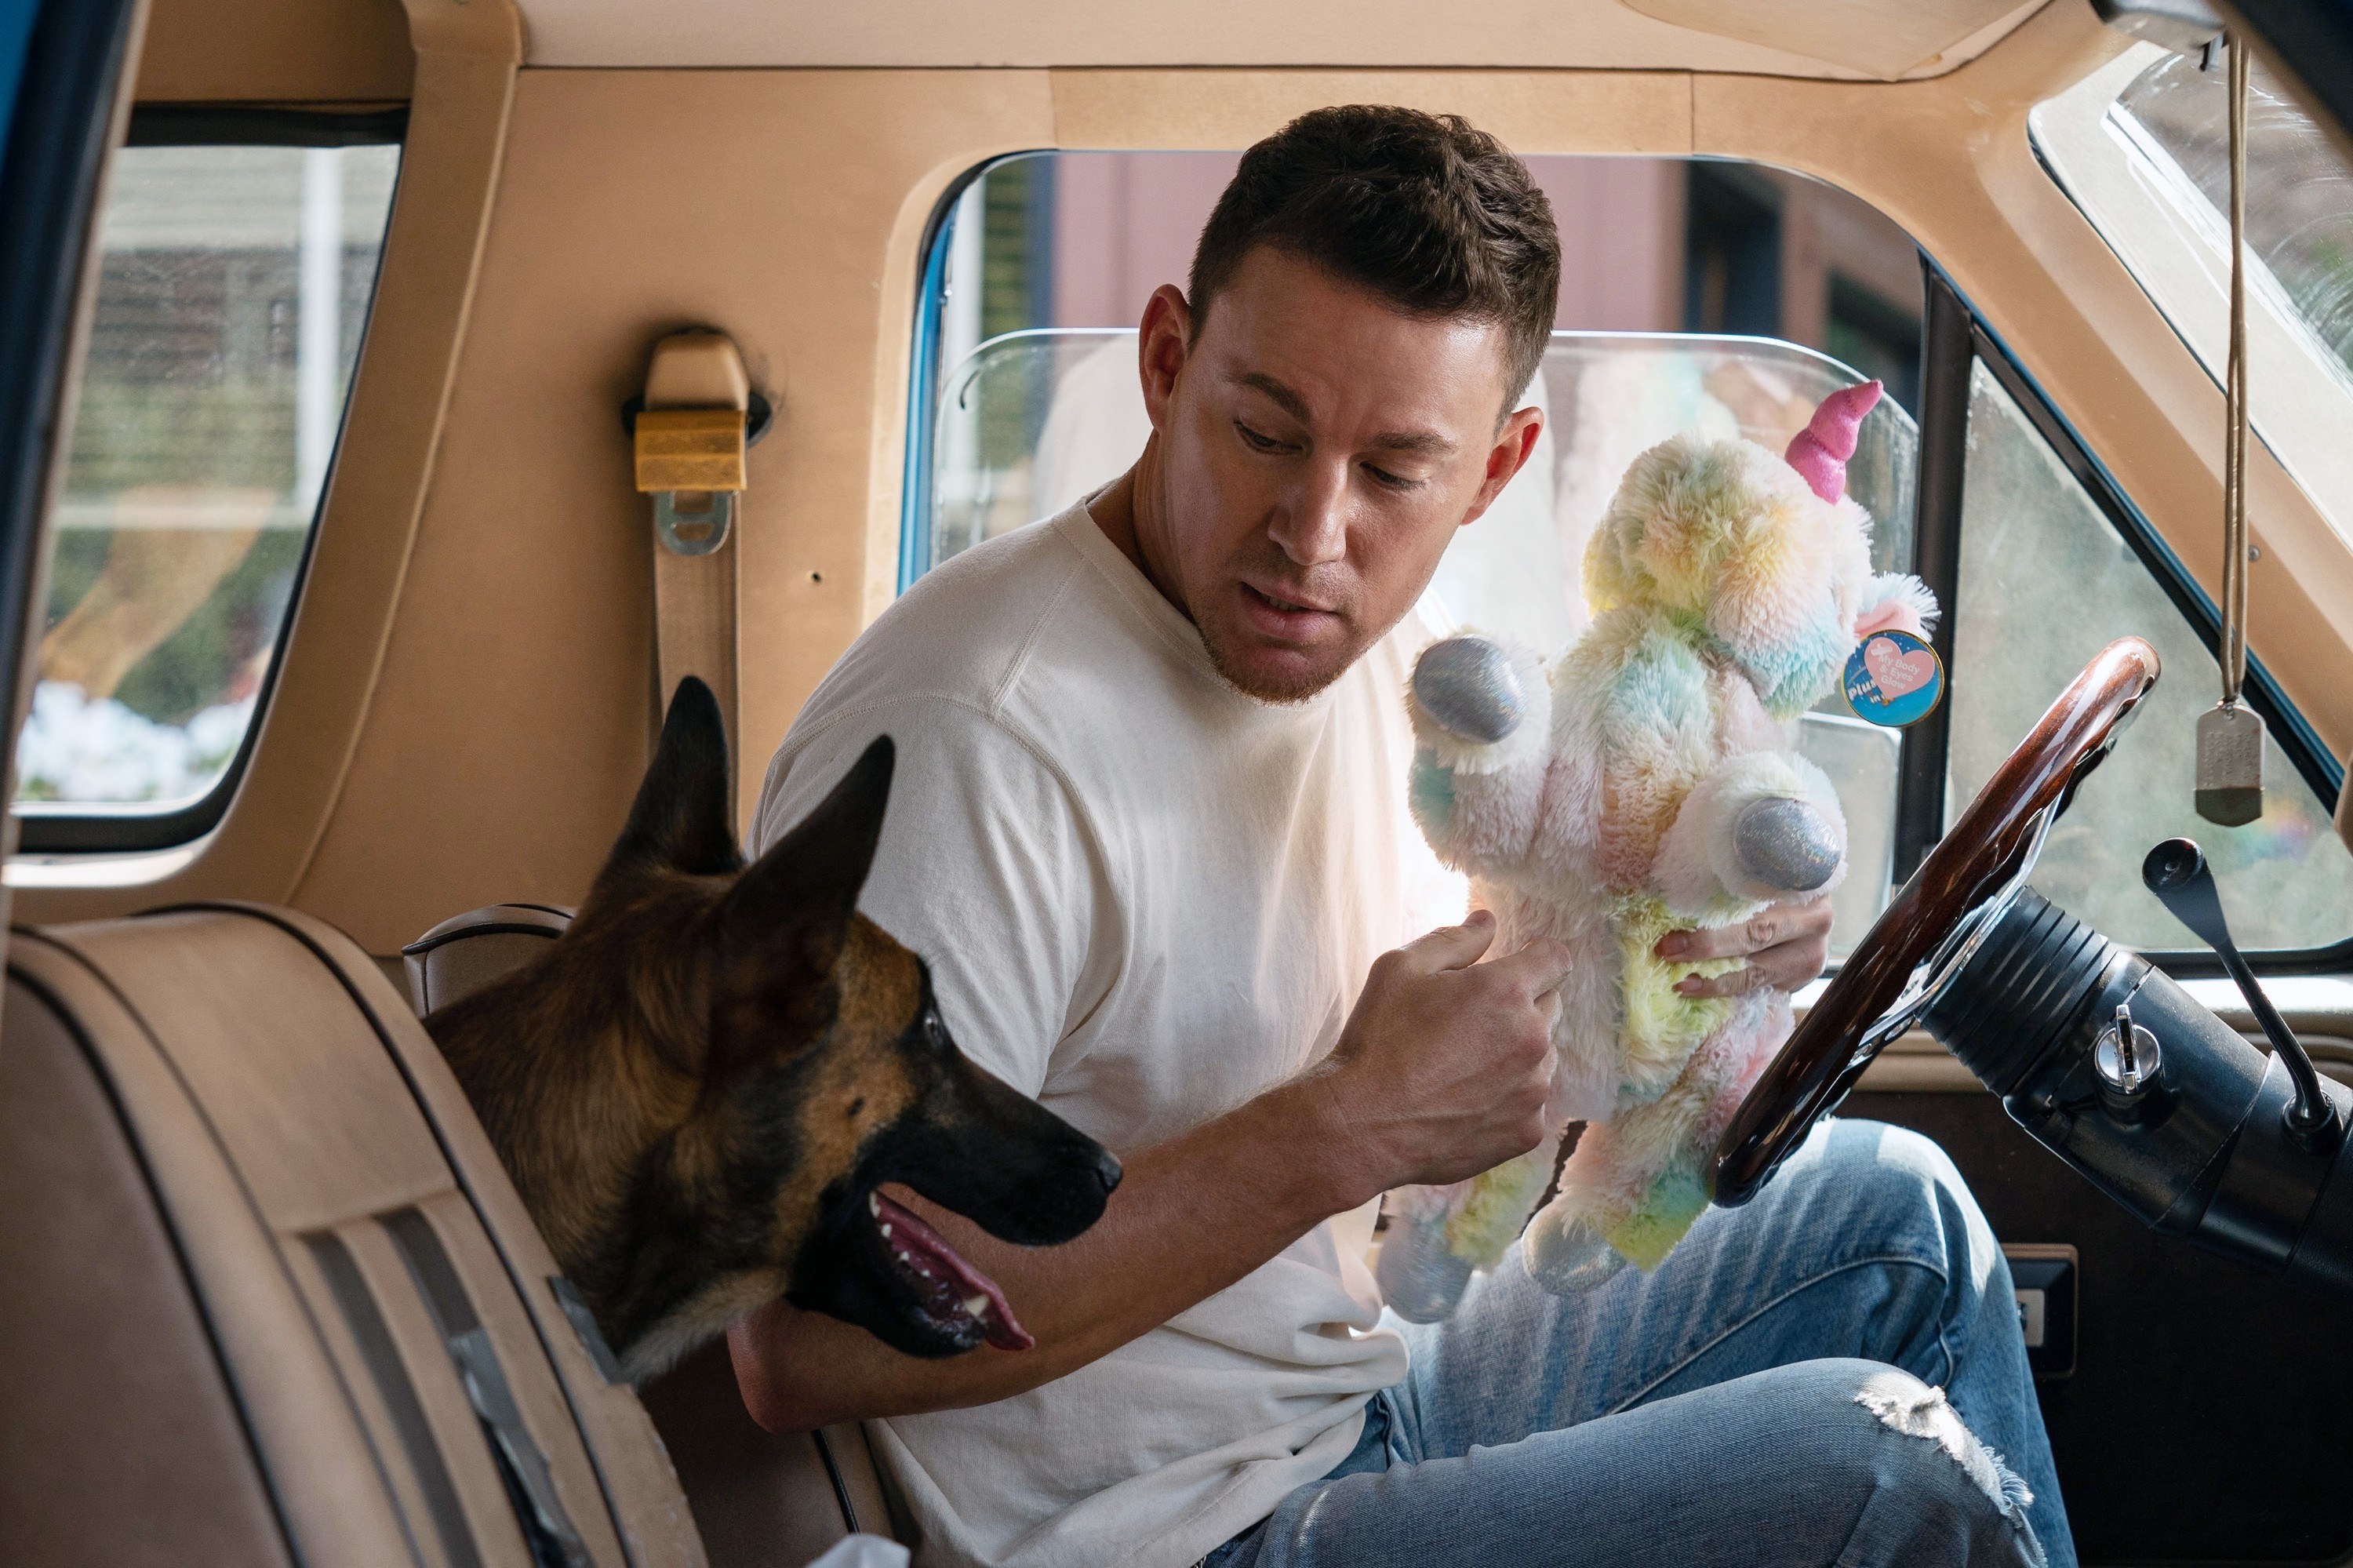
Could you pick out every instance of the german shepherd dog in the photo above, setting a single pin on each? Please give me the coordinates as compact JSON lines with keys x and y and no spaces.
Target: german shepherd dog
{"x":702,"y":1084}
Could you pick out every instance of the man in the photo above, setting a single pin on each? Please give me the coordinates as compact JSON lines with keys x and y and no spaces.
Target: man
{"x":1148,"y":828}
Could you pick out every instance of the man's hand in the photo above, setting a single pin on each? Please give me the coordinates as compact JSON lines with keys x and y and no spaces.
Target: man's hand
{"x":1786,"y":947}
{"x":1444,"y":1067}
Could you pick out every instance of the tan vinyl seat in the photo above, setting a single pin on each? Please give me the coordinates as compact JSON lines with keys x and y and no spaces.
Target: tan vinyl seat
{"x":466,"y":952}
{"x":757,"y":1499}
{"x":266,"y":1295}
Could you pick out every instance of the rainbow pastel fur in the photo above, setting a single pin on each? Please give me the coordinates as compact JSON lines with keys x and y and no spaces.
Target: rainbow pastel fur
{"x":1727,"y":584}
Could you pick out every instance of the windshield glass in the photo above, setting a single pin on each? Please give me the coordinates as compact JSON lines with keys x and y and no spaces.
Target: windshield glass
{"x":2299,"y":219}
{"x":2142,"y":146}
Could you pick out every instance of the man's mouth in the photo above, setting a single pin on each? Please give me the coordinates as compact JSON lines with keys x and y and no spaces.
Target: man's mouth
{"x":956,"y":1296}
{"x":1289,"y":619}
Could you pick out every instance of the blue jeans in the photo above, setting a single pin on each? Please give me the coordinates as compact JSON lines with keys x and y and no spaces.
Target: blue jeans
{"x":1784,"y":1390}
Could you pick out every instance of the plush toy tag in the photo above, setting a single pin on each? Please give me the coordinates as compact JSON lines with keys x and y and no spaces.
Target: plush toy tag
{"x":1893,"y":679}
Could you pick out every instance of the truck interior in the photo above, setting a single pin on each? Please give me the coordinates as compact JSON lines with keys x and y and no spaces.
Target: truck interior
{"x":335,"y":336}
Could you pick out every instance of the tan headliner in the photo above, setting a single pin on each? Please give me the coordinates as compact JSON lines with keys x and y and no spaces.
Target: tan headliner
{"x":1849,"y":38}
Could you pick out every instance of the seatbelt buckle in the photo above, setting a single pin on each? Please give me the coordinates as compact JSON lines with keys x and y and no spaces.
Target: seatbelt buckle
{"x":690,"y":434}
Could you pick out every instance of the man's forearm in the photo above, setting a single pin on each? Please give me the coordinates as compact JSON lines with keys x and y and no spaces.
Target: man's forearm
{"x":1191,"y":1216}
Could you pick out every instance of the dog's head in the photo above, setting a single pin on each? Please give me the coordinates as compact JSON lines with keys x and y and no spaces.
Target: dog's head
{"x":761,"y":1059}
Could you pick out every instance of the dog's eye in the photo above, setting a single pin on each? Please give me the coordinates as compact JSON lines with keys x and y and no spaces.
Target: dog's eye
{"x":934,"y":1032}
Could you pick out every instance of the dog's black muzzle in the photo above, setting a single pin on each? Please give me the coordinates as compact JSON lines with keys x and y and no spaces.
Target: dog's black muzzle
{"x":1002,"y":1160}
{"x":974,"y":1145}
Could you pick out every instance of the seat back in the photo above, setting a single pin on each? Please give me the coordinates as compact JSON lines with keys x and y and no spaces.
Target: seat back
{"x":758,"y":1499}
{"x":466,"y":952}
{"x":266,"y":1294}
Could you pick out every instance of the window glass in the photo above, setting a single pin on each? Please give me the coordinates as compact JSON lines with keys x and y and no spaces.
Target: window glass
{"x":1079,"y":240}
{"x":1032,"y":421}
{"x":2046,"y":582}
{"x":1045,"y":260}
{"x":2142,"y":146}
{"x":234,"y":282}
{"x":2299,"y":193}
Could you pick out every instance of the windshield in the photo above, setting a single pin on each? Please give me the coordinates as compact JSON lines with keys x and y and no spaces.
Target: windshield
{"x":2142,"y":146}
{"x":2299,"y":219}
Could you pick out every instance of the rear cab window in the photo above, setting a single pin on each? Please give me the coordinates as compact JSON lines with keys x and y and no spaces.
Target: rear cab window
{"x":1694,"y":292}
{"x":239,"y":255}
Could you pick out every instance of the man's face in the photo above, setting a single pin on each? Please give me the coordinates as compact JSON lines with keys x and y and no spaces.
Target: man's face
{"x":1314,"y":450}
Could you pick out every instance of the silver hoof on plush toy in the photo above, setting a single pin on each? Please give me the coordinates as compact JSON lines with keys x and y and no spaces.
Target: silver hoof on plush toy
{"x":1646,"y":782}
{"x":1786,"y":843}
{"x":1467,"y":687}
{"x":1570,"y":1254}
{"x":1421,"y":1277}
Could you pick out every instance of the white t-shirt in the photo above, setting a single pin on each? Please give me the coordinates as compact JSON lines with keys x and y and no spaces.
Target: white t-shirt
{"x":1145,"y":899}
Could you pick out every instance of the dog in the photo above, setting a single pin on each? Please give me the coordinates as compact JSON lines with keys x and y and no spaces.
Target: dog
{"x":701,"y":1086}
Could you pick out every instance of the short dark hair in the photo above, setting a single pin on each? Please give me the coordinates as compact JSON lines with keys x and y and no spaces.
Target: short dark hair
{"x":1433,"y":214}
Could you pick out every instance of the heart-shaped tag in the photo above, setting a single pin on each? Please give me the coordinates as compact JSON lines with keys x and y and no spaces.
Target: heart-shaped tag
{"x":1897,"y":672}
{"x":1894,"y":679}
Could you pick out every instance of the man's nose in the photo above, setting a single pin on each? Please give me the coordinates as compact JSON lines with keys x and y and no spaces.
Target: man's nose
{"x":1312,"y":525}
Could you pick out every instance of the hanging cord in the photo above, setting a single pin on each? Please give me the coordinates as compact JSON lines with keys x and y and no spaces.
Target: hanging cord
{"x":2233,"y":654}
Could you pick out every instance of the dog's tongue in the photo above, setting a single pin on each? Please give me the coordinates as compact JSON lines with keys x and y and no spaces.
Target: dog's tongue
{"x":955,"y":1286}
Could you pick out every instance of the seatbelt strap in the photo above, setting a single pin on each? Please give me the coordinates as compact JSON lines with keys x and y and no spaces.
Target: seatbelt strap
{"x":690,"y":432}
{"x":695,"y":632}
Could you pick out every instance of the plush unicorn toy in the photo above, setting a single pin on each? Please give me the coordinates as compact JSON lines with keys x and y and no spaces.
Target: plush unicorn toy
{"x":1646,"y":782}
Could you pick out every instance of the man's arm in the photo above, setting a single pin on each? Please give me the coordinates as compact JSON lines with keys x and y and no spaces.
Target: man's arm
{"x":1441,"y":1072}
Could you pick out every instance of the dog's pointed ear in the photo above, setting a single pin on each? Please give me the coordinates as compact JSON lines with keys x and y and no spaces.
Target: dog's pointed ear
{"x":680,"y":819}
{"x":786,"y":919}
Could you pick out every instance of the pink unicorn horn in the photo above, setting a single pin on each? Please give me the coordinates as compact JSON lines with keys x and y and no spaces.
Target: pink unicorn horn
{"x":1819,"y":452}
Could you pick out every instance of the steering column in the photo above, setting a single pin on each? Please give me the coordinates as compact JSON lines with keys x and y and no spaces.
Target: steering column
{"x":2101,"y":1057}
{"x":2199,"y":1142}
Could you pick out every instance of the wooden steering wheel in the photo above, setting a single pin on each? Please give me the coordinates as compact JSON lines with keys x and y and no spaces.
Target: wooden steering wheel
{"x":1928,"y":933}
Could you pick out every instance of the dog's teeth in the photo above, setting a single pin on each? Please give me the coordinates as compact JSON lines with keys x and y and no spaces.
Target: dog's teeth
{"x":977,"y":1305}
{"x":886,"y":1230}
{"x":874,"y":1205}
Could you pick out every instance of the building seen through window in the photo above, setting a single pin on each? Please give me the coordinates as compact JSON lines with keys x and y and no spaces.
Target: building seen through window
{"x":1080,"y":239}
{"x":233,"y":283}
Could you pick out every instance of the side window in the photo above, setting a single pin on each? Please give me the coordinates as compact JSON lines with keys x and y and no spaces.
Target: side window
{"x":236,"y":275}
{"x":1042,"y":266}
{"x":2046,"y":581}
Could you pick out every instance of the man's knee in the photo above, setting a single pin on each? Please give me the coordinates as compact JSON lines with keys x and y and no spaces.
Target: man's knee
{"x":1917,"y":1485}
{"x":1895,"y":1188}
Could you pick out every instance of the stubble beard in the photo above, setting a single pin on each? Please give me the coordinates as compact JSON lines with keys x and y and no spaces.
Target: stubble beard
{"x":1287,"y":694}
{"x":1281,"y":692}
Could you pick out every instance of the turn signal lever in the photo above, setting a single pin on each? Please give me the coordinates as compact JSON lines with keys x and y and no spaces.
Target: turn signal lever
{"x":2152,"y":1098}
{"x":2176,"y":872}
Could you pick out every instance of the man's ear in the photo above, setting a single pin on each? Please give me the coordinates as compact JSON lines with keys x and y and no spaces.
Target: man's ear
{"x":783,"y":925}
{"x":1516,"y":442}
{"x":680,"y":819}
{"x":1162,"y":342}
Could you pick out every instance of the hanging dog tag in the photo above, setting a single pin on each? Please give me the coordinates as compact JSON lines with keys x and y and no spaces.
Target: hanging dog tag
{"x":2230,"y":765}
{"x":1893,"y":679}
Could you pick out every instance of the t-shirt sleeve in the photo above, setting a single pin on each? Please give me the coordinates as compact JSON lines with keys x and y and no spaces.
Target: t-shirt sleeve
{"x":984,"y":870}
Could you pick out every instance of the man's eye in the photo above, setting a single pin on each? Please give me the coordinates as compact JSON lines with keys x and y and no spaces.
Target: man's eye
{"x":1388,"y":480}
{"x":1260,"y":442}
